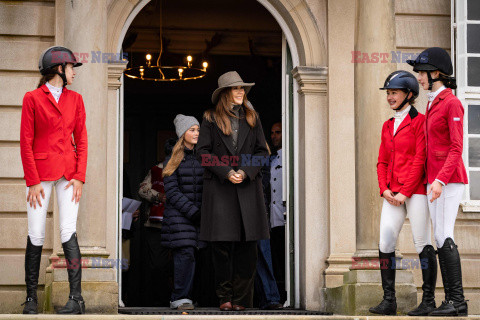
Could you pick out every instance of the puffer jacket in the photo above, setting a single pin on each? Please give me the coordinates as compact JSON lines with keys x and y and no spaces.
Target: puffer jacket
{"x":183,"y":190}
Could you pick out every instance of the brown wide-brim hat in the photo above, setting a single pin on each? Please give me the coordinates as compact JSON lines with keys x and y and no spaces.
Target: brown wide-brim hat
{"x":228,"y":80}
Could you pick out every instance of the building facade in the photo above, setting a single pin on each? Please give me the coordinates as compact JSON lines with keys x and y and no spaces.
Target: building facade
{"x":341,"y":52}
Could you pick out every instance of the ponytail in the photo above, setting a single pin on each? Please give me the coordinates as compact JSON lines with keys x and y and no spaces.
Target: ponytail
{"x":45,"y":78}
{"x":449,"y":82}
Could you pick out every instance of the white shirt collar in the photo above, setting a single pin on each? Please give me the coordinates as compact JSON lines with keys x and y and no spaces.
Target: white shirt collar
{"x":432,"y":95}
{"x":403,"y":113}
{"x":53,"y":88}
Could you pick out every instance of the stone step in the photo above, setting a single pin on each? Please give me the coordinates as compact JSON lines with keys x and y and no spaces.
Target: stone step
{"x":209,"y":317}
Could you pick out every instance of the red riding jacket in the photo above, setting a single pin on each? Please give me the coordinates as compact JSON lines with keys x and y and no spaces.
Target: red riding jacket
{"x":444,"y":136}
{"x":47,"y":148}
{"x":401,"y":158}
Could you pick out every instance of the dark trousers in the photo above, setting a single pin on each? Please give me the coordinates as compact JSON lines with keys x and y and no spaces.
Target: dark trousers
{"x":234,"y":264}
{"x":157,"y":272}
{"x":277,"y":243}
{"x":184,"y":271}
{"x":265,"y":284}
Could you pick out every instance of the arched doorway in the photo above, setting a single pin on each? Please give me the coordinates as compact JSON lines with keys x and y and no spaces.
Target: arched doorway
{"x":308,"y":49}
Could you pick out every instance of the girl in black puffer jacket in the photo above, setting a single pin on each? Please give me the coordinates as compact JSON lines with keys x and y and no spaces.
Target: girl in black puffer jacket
{"x":183,"y":180}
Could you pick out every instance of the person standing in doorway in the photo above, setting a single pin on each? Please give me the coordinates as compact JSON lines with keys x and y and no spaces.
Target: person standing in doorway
{"x":231,"y":148}
{"x":278,"y":210}
{"x":52,"y":158}
{"x":446,"y":174}
{"x":401,"y":175}
{"x":266,"y":288}
{"x":182,"y":177}
{"x":157,"y":262}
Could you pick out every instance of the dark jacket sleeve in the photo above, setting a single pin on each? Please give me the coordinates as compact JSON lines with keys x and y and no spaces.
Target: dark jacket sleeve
{"x":205,"y":151}
{"x":176,"y":198}
{"x":260,"y":152}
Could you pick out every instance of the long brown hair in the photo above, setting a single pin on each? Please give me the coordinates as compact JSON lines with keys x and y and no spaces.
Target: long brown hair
{"x":223,"y":111}
{"x":177,"y":157}
{"x":45,"y":78}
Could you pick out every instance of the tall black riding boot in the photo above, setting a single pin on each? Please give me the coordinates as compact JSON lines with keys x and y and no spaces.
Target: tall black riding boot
{"x":75,"y":303}
{"x":454,"y":304}
{"x":388,"y":306}
{"x":33,"y":254}
{"x":428,"y":261}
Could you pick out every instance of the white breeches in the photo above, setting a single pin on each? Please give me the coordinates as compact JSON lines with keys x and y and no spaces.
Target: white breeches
{"x":68,"y":211}
{"x":444,"y":211}
{"x":392,"y":220}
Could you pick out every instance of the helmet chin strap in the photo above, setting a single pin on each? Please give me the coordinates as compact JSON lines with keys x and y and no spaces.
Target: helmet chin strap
{"x":62,"y":75}
{"x":404,"y":101}
{"x":431,"y":81}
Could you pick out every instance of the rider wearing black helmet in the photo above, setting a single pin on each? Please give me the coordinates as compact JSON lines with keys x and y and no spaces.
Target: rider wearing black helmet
{"x":400,"y":171}
{"x":53,"y":146}
{"x":445,"y":171}
{"x":435,"y":59}
{"x":56,"y":56}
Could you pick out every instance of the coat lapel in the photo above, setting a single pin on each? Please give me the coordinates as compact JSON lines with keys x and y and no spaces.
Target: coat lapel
{"x":437,"y":99}
{"x":406,"y":122}
{"x":243,"y":129}
{"x":390,"y":126}
{"x":226,"y":140}
{"x":51,"y":98}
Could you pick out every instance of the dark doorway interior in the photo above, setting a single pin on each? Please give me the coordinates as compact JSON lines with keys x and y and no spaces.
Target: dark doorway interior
{"x":230,"y":35}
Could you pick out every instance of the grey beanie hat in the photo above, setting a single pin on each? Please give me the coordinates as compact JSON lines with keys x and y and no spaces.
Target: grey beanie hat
{"x":183,"y":123}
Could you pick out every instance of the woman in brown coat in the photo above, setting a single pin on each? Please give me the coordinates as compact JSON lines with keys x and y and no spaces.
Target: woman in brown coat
{"x":232,"y":149}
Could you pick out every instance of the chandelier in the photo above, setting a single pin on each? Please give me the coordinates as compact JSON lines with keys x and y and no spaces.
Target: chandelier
{"x":160,"y":72}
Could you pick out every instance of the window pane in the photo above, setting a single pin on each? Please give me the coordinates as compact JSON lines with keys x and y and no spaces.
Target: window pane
{"x":473,"y":119}
{"x":474,"y":71}
{"x":473,"y":38}
{"x":474,"y":182}
{"x":473,"y":10}
{"x":474,"y":152}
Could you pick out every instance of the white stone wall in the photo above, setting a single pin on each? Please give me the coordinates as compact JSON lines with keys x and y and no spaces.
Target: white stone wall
{"x":26,"y":29}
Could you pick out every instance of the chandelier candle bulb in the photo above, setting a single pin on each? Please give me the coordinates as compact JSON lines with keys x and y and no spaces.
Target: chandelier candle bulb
{"x":189,"y":61}
{"x":205,"y":65}
{"x":149,"y":57}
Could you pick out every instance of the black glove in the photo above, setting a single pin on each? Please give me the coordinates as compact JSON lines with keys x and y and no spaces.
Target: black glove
{"x":196,"y":218}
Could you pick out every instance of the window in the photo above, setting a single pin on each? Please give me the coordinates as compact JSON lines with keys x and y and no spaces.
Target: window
{"x":466,"y":39}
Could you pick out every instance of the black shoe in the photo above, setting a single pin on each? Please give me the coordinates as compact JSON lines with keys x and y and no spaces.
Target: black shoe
{"x":75,"y":304}
{"x":428,"y":261}
{"x":386,"y":307}
{"x":31,"y":306}
{"x":451,"y":309}
{"x":454,"y":304}
{"x":424,"y":309}
{"x":33,"y":255}
{"x":389,"y":304}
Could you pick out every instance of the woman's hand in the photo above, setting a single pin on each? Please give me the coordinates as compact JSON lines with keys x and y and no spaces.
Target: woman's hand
{"x":400,"y":198}
{"x":77,"y":189}
{"x":390,"y":197}
{"x":135,"y":215}
{"x":435,"y":189}
{"x":235,"y":178}
{"x":34,"y":193}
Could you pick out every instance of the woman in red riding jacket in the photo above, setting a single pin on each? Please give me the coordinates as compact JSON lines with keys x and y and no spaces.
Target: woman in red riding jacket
{"x":400,"y":172}
{"x":52,"y":158}
{"x":445,"y":171}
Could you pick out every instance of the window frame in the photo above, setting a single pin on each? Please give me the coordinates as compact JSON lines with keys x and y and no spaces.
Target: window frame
{"x":468,"y":95}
